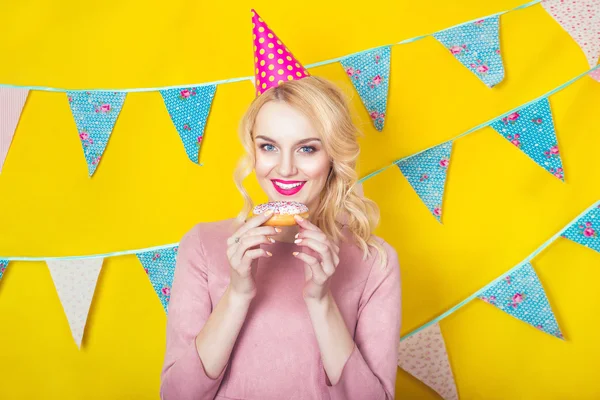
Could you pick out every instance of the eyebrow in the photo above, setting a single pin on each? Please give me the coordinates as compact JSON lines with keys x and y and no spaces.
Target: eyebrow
{"x":300,"y":142}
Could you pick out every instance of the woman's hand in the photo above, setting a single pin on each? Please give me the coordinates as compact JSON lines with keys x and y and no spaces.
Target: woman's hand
{"x":318,"y":268}
{"x":243,"y":249}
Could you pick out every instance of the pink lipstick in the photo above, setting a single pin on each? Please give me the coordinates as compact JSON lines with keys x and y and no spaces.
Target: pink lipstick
{"x":287,"y":188}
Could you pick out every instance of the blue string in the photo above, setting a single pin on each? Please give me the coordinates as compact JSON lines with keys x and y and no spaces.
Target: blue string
{"x":251,"y":78}
{"x":482,"y":125}
{"x":104,"y":255}
{"x":492,"y":283}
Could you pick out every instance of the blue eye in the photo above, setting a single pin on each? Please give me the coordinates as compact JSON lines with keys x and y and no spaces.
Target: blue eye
{"x":267,"y":147}
{"x":308,"y":149}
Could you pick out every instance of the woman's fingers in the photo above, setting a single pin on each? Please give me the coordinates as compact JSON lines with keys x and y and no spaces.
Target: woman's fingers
{"x":253,"y":222}
{"x":306,"y":224}
{"x":253,"y":254}
{"x":323,"y":250}
{"x":318,"y":274}
{"x":246,"y":243}
{"x":321,"y":237}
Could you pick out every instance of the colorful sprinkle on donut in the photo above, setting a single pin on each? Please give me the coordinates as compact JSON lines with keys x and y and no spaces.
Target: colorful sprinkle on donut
{"x":281,"y":207}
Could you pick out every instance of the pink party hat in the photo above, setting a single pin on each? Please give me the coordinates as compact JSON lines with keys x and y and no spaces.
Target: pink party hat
{"x":273,"y":62}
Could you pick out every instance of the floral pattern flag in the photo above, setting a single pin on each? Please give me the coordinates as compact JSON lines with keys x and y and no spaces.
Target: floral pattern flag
{"x":95,"y":115}
{"x":159,"y":265}
{"x":189,"y":109}
{"x":521,"y":295}
{"x":581,"y":19}
{"x":424,"y":356}
{"x":477,"y":46}
{"x":370,"y":75}
{"x":586,"y":230}
{"x":426,"y":172}
{"x":3,"y":266}
{"x":531,"y":129}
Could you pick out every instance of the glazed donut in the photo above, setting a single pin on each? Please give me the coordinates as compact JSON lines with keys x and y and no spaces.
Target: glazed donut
{"x":283,"y":212}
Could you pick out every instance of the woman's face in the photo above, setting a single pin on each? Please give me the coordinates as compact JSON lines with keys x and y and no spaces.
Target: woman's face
{"x":291,"y":163}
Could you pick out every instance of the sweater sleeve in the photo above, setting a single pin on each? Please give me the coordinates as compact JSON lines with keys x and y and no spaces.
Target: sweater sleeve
{"x":183,"y":376}
{"x":370,"y":371}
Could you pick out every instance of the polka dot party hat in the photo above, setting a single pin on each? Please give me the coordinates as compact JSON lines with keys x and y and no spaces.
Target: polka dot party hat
{"x":273,"y":62}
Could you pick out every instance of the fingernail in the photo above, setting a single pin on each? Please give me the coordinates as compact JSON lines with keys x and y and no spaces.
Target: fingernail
{"x":297,"y":235}
{"x":268,"y":213}
{"x":278,"y":230}
{"x":297,"y":241}
{"x":269,"y":253}
{"x":298,"y":218}
{"x":271,"y":240}
{"x":295,"y":253}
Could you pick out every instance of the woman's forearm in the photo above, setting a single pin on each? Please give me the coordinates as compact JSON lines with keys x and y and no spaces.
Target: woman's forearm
{"x":215,"y":341}
{"x":334,"y":339}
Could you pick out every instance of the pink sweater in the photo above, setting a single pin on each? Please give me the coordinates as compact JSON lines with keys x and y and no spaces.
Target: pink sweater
{"x":276,"y":355}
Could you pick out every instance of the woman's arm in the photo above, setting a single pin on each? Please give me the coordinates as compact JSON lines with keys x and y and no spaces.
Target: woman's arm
{"x":199,"y":339}
{"x":364,"y":367}
{"x":218,"y":336}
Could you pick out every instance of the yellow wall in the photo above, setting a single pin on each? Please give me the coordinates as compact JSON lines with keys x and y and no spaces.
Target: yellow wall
{"x":499,"y":206}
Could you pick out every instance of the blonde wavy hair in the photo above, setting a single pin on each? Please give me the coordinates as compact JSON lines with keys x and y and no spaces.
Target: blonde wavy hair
{"x":325,"y":105}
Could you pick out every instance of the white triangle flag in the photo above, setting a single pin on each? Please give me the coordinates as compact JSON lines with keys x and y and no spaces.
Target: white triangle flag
{"x":424,"y":356}
{"x":75,"y":282}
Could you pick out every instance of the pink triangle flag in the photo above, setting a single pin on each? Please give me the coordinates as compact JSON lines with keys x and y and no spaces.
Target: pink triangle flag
{"x":424,"y":356}
{"x":11,"y":105}
{"x":581,"y":19}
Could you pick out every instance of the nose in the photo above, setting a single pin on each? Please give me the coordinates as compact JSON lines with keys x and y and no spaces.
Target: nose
{"x":287,"y":165}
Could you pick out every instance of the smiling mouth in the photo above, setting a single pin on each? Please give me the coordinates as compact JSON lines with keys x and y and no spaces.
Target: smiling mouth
{"x":287,"y":188}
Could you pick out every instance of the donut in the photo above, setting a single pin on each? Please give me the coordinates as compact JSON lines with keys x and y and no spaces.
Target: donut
{"x":283,"y":212}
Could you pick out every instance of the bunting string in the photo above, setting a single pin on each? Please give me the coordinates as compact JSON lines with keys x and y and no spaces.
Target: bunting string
{"x":495,"y":281}
{"x":369,"y":176}
{"x":251,"y":78}
{"x":484,"y":124}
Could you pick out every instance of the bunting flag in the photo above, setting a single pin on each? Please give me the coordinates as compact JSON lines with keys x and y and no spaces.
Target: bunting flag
{"x":521,"y":295}
{"x":75,"y":282}
{"x":3,"y":266}
{"x":581,"y":19}
{"x":160,"y":268}
{"x":370,"y":75}
{"x":585,"y":230}
{"x":426,"y":172}
{"x":11,"y":106}
{"x":95,"y":115}
{"x":531,"y":129}
{"x":424,"y":356}
{"x":189,"y":109}
{"x":477,"y":46}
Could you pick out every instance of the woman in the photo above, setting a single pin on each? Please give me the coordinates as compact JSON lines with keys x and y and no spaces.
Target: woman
{"x":304,"y":312}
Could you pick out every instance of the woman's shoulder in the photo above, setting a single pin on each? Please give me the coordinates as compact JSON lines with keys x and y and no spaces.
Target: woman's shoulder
{"x":206,"y":234}
{"x":381,"y":260}
{"x":373,"y":255}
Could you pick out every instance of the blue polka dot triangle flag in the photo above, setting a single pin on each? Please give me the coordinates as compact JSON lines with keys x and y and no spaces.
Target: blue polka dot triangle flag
{"x":586,"y":230}
{"x":531,"y":129}
{"x":477,"y":46}
{"x":521,"y":295}
{"x":3,"y":266}
{"x":189,"y":109}
{"x":426,"y":173}
{"x":370,"y":75}
{"x":160,"y":268}
{"x":95,"y":115}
